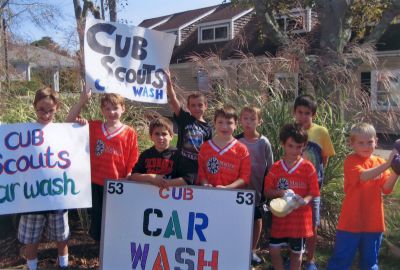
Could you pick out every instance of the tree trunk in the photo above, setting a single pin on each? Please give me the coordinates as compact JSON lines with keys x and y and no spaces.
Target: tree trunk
{"x":112,"y":6}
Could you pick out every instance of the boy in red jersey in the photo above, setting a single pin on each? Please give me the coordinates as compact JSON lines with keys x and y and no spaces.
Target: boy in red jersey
{"x":361,"y":222}
{"x":113,"y":150}
{"x":295,"y":173}
{"x":224,"y":162}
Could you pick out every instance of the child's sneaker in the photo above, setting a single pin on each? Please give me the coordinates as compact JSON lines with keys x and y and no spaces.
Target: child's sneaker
{"x":255,"y":259}
{"x":310,"y":266}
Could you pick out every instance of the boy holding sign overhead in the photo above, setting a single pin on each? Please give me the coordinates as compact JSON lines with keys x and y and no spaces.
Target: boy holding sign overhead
{"x":113,"y":150}
{"x":193,"y":130}
{"x":224,"y":162}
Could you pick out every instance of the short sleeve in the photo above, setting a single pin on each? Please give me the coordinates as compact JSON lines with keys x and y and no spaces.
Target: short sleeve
{"x":182,"y":118}
{"x":313,"y":185}
{"x":140,"y":165}
{"x":327,"y":146}
{"x":269,"y":180}
{"x":133,"y":153}
{"x":245,"y":166}
{"x":352,"y":174}
{"x":201,"y":162}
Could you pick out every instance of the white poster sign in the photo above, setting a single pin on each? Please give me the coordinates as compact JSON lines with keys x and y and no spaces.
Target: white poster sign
{"x":127,"y":60}
{"x":44,"y":167}
{"x":189,"y":227}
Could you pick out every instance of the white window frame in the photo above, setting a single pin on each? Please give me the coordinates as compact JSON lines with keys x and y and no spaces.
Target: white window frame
{"x":201,"y":28}
{"x":294,"y":13}
{"x":375,"y":75}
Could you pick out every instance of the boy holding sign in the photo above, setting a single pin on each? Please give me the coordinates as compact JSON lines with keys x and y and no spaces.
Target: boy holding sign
{"x":113,"y":150}
{"x":31,"y":225}
{"x":158,"y":165}
{"x":224,"y":162}
{"x":193,"y":130}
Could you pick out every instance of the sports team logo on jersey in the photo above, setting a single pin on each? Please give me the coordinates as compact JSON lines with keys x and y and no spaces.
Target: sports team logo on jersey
{"x":100,"y":146}
{"x":283,"y":184}
{"x":213,"y":165}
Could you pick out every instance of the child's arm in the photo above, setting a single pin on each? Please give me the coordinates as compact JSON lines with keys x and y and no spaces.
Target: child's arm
{"x":76,"y":109}
{"x":373,"y":173}
{"x":275,"y":193}
{"x":154,"y":179}
{"x":176,"y":182}
{"x":238,"y":183}
{"x":173,"y":100}
{"x":390,"y":183}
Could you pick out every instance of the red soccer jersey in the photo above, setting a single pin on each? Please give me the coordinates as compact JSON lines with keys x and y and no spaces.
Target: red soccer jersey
{"x":303,"y":180}
{"x":224,"y":166}
{"x":112,"y":155}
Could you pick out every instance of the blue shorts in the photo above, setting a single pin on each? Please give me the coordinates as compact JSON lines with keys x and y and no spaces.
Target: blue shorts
{"x":316,"y":205}
{"x":346,"y":246}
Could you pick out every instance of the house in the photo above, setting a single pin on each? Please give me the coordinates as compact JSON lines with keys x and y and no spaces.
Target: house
{"x":230,"y":32}
{"x":23,"y":58}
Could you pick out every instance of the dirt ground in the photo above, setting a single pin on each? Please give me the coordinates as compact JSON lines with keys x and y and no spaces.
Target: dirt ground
{"x":83,"y":250}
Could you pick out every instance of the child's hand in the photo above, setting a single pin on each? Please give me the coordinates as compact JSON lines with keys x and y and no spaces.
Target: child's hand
{"x":81,"y":121}
{"x":299,"y":200}
{"x":159,"y":181}
{"x":220,"y":186}
{"x":392,"y":154}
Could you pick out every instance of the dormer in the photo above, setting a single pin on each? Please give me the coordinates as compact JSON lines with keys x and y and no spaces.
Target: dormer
{"x":181,"y":24}
{"x":296,"y":21}
{"x":223,"y":24}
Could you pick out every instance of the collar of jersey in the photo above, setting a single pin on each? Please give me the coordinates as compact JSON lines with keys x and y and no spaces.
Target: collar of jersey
{"x":223,"y":150}
{"x":113,"y":134}
{"x":295,"y":166}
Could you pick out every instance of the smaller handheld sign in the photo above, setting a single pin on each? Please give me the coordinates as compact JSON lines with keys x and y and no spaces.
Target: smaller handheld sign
{"x":186,"y":227}
{"x":127,"y":60}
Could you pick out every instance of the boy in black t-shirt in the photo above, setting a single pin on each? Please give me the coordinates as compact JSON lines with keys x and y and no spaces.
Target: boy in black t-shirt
{"x":193,"y":130}
{"x":158,"y":165}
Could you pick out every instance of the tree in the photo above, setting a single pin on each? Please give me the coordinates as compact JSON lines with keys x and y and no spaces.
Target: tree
{"x":13,"y":12}
{"x":338,"y":21}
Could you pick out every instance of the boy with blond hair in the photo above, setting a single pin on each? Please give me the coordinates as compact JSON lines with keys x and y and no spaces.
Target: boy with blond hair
{"x":224,"y":162}
{"x":318,"y":150}
{"x":361,"y":222}
{"x":261,"y":161}
{"x":193,"y":130}
{"x":113,"y":150}
{"x":158,"y":165}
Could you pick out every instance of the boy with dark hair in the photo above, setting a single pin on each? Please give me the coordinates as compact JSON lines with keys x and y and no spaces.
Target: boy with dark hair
{"x":261,"y":161}
{"x":113,"y":150}
{"x":318,"y":150}
{"x":294,"y":173}
{"x":158,"y":165}
{"x":361,"y":222}
{"x":193,"y":130}
{"x":224,"y":162}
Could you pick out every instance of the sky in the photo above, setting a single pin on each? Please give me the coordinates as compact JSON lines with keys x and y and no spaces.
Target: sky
{"x":133,"y":14}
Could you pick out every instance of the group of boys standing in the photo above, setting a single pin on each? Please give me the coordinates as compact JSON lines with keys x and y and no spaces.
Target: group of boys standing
{"x":246,"y":161}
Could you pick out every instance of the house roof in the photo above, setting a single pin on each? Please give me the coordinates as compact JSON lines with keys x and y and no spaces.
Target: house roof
{"x":224,"y":12}
{"x":390,"y":40}
{"x":148,"y":23}
{"x":182,"y":18}
{"x":39,"y":57}
{"x":246,"y":41}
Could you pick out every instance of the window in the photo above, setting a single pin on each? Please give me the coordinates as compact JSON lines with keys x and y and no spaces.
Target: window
{"x":385,"y":88}
{"x":295,"y":21}
{"x":214,"y":33}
